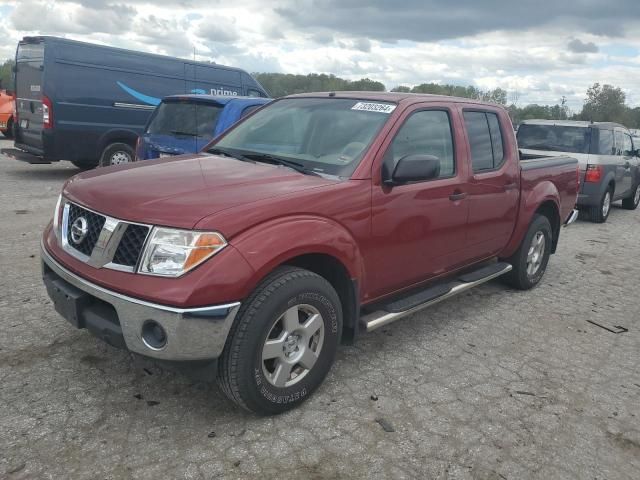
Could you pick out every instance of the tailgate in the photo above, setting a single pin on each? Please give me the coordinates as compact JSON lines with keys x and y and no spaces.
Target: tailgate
{"x":29,"y":75}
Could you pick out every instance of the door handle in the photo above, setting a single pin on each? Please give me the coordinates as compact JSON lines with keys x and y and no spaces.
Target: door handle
{"x":510,"y":186}
{"x":457,"y":195}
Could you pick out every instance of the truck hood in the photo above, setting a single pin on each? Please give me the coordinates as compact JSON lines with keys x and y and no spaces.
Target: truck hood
{"x":180,"y":191}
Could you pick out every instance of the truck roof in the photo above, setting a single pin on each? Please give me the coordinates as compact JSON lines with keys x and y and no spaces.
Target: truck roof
{"x":572,"y":123}
{"x":395,"y":97}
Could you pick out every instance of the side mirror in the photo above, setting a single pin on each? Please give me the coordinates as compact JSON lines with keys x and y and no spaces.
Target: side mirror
{"x":414,"y":168}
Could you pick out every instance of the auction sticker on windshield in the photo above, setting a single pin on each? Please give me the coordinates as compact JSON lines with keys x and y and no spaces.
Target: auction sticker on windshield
{"x":374,"y":107}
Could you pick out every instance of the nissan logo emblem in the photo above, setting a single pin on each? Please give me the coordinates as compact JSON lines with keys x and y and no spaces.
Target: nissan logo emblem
{"x":79,"y":230}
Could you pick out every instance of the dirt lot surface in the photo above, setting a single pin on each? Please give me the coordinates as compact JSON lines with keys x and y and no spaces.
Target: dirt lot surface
{"x":496,"y":384}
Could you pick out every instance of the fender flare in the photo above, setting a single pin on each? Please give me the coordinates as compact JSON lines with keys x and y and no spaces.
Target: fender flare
{"x":115,"y":135}
{"x":317,"y":235}
{"x":543,"y":192}
{"x":604,"y":184}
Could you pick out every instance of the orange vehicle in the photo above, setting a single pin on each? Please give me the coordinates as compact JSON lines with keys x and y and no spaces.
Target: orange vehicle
{"x":6,"y":113}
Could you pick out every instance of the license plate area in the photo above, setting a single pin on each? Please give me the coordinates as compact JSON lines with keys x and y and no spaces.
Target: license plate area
{"x":67,"y":300}
{"x":24,"y":123}
{"x":165,"y":155}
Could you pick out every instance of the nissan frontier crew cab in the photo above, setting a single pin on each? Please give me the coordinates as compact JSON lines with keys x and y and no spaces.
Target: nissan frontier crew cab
{"x":313,"y":220}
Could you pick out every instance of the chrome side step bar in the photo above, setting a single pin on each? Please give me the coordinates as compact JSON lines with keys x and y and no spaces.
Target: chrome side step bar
{"x":382,"y":317}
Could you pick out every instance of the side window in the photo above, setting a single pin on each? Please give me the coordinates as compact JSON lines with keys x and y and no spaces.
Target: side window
{"x":254,"y":93}
{"x":479,"y":141}
{"x":426,"y":132}
{"x":605,"y":142}
{"x":627,"y":149}
{"x":496,"y":139}
{"x":619,"y":142}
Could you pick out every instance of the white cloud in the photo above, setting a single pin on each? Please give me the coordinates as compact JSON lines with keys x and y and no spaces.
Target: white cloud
{"x":542,"y":58}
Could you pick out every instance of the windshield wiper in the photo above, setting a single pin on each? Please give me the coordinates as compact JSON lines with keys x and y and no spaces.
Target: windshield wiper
{"x":228,"y":153}
{"x":183,"y":134}
{"x":275,"y":160}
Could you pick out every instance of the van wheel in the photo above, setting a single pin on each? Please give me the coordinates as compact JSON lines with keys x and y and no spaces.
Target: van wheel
{"x":8,"y":133}
{"x":531,"y":259}
{"x":600,"y":212}
{"x":631,"y":203}
{"x":117,"y":154}
{"x":282,"y":343}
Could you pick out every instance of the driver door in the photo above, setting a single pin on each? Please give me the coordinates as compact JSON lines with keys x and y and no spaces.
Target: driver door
{"x":418,"y":229}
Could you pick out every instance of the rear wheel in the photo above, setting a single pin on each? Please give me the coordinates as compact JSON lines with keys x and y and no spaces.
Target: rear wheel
{"x":282,"y":343}
{"x":631,"y":203}
{"x":531,"y":259}
{"x":117,"y":154}
{"x":600,"y":212}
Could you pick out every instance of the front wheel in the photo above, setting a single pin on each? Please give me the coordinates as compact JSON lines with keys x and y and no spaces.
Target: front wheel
{"x":282,"y":343}
{"x":117,"y":154}
{"x":631,"y":203}
{"x":531,"y":259}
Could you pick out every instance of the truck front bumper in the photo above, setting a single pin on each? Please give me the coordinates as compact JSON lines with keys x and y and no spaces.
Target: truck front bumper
{"x":153,"y":330}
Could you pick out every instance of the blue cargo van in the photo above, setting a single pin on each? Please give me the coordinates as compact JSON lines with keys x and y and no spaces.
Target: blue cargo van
{"x":88,"y":103}
{"x":187,"y":123}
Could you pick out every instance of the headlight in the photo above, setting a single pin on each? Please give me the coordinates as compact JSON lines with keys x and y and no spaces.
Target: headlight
{"x":171,"y":253}
{"x":56,"y":217}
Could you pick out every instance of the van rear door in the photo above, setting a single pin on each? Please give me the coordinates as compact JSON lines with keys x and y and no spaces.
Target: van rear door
{"x":29,"y":108}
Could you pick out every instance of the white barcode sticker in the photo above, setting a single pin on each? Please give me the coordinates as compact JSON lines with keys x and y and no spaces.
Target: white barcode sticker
{"x":374,"y":107}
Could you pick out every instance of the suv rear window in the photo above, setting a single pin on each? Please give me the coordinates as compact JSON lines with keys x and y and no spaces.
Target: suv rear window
{"x":183,"y":118}
{"x":557,"y":138}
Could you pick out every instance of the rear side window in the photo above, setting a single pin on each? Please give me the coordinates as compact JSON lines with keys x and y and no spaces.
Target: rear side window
{"x":604,"y":145}
{"x":619,"y":136}
{"x":190,"y":119}
{"x":485,"y":140}
{"x":627,"y":148}
{"x":426,"y":132}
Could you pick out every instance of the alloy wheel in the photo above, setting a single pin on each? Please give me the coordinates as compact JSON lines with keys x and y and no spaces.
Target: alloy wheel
{"x":535,"y":254}
{"x":293,"y":345}
{"x":120,"y":157}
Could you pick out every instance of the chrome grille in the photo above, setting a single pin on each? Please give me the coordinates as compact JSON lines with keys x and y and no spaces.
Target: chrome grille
{"x":100,"y":240}
{"x":131,"y":244}
{"x":95,"y":223}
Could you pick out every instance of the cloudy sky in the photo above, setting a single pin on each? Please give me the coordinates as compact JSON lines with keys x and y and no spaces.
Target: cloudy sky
{"x":537,"y":50}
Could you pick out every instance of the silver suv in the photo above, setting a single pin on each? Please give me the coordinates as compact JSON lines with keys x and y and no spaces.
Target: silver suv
{"x":609,"y":163}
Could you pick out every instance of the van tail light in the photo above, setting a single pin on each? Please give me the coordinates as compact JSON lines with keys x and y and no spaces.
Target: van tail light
{"x":593,"y":174}
{"x":47,"y":113}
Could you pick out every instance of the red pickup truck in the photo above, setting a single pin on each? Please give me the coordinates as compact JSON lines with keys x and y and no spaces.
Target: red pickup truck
{"x":316,"y":218}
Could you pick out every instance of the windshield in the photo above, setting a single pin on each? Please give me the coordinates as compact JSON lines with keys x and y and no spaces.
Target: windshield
{"x":554,"y":138}
{"x":185,"y":118}
{"x":322,"y":135}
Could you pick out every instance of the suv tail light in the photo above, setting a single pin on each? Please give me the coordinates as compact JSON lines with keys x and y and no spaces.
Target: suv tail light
{"x":47,"y":113}
{"x":593,"y":174}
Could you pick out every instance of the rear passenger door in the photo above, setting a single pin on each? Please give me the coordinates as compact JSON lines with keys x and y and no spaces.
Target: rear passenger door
{"x":623,"y":152}
{"x":494,"y":186}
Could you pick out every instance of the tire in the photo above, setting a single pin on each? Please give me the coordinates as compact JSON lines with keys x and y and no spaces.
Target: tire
{"x":251,"y":365}
{"x":524,"y":277}
{"x":117,"y":154}
{"x":599,"y":213}
{"x":632,"y":202}
{"x":8,"y":133}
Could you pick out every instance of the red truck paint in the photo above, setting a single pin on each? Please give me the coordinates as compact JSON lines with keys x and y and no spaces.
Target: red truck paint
{"x":388,"y":239}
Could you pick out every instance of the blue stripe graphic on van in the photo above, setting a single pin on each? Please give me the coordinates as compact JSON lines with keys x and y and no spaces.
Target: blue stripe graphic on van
{"x":139,"y":96}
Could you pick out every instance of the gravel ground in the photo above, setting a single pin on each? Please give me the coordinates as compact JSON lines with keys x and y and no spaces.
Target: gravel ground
{"x":495,"y":384}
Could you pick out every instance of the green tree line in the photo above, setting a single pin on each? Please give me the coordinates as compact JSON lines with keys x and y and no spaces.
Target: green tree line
{"x":602,"y":102}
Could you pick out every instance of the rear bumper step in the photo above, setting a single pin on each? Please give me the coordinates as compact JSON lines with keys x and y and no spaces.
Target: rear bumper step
{"x":23,"y":156}
{"x":408,"y":305}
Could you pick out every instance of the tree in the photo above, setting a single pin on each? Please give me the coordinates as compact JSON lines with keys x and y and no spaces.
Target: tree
{"x":281,"y":84}
{"x":604,"y":103}
{"x":6,"y":74}
{"x":401,"y":89}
